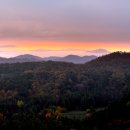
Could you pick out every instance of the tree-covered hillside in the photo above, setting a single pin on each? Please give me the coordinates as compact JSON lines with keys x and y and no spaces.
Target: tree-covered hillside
{"x":57,"y":95}
{"x":97,"y":83}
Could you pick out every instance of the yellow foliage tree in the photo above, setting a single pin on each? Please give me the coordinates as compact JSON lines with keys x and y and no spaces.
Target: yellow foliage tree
{"x":20,"y":103}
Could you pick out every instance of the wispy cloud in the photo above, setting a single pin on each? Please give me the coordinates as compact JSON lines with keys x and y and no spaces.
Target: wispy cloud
{"x":45,"y":50}
{"x":98,"y":52}
{"x":66,"y":20}
{"x":7,"y":46}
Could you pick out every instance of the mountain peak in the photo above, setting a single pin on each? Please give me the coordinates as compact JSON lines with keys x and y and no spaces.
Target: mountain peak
{"x":27,"y":56}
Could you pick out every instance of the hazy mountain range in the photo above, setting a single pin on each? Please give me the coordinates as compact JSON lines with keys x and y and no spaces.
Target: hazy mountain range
{"x":20,"y":58}
{"x":72,"y":58}
{"x":32,"y":58}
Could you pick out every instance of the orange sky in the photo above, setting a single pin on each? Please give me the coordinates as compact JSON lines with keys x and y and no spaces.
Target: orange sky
{"x":50,"y":45}
{"x":12,"y":48}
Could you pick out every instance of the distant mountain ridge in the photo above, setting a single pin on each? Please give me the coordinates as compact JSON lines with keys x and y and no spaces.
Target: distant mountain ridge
{"x":3,"y":60}
{"x":72,"y":58}
{"x":21,"y":59}
{"x":31,"y":58}
{"x":26,"y":58}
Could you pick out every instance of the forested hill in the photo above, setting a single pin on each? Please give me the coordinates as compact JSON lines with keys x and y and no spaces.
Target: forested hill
{"x":97,"y":83}
{"x":112,"y":59}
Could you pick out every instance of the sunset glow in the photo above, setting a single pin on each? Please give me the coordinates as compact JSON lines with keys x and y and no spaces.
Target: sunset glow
{"x":48,"y":48}
{"x":60,"y":28}
{"x":57,"y":46}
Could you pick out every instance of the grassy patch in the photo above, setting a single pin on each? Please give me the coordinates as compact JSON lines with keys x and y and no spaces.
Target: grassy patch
{"x":78,"y":115}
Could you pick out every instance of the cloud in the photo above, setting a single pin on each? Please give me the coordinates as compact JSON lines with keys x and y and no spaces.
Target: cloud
{"x":7,"y":46}
{"x":75,"y":20}
{"x":72,"y":32}
{"x":61,"y":50}
{"x":98,"y":52}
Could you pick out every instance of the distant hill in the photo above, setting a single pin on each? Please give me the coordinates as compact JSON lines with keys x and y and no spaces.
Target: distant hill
{"x":52,"y":58}
{"x":25,"y":58}
{"x":21,"y":58}
{"x":72,"y":58}
{"x":113,"y":59}
{"x":31,"y":58}
{"x":3,"y":60}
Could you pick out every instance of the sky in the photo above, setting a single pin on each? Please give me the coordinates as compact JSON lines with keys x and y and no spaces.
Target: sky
{"x":62,"y":27}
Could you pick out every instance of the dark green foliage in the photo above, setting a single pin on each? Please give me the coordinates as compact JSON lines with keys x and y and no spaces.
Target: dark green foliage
{"x":99,"y":83}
